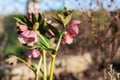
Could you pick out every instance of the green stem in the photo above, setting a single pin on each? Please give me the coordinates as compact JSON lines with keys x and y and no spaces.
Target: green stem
{"x":36,"y":77}
{"x":44,"y":62}
{"x":52,"y":68}
{"x":59,"y":41}
{"x":38,"y":69}
{"x":54,"y":56}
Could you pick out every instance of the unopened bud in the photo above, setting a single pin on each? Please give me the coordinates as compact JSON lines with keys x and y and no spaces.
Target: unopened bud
{"x":36,"y":26}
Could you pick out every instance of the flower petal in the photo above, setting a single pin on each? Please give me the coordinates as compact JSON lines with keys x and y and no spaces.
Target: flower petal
{"x":34,"y":53}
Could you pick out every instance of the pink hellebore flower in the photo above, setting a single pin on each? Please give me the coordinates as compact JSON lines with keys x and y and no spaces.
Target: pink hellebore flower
{"x":34,"y":53}
{"x":29,"y":37}
{"x":67,"y":39}
{"x":23,"y":28}
{"x":73,"y":28}
{"x":71,"y":32}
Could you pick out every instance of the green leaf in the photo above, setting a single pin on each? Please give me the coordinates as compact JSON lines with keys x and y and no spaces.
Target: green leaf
{"x":62,"y":10}
{"x":53,"y":29}
{"x":68,"y":18}
{"x":28,"y":22}
{"x":42,"y":28}
{"x":64,"y":20}
{"x":56,"y":19}
{"x":44,"y":41}
{"x":33,"y":18}
{"x":65,"y":9}
{"x":40,"y":18}
{"x":61,"y":18}
{"x":20,"y":20}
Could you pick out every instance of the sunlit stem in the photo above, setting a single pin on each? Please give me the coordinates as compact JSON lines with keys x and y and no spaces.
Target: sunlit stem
{"x":38,"y":69}
{"x":53,"y":58}
{"x":44,"y":63}
{"x":52,"y":67}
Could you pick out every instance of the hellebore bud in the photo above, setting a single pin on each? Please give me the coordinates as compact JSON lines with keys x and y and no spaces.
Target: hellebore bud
{"x":36,"y":26}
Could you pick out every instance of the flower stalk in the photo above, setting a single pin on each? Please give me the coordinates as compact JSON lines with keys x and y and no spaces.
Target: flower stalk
{"x":52,"y":67}
{"x":53,"y":57}
{"x":44,"y":63}
{"x":38,"y":69}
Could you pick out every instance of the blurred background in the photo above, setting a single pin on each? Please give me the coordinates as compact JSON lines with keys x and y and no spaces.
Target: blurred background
{"x":86,"y":58}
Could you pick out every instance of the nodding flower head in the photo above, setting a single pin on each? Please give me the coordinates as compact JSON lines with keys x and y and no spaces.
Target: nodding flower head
{"x":67,"y":39}
{"x":71,"y":32}
{"x":73,"y":28}
{"x":28,"y":37}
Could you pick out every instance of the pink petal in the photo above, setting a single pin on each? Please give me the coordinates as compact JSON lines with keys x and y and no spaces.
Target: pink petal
{"x":67,"y":39}
{"x":22,"y":39}
{"x":29,"y":37}
{"x":75,"y":22}
{"x":23,"y":28}
{"x":33,"y":53}
{"x":73,"y":28}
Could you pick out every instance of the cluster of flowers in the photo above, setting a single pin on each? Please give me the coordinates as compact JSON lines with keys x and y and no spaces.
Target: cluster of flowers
{"x":29,"y":37}
{"x":35,"y":33}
